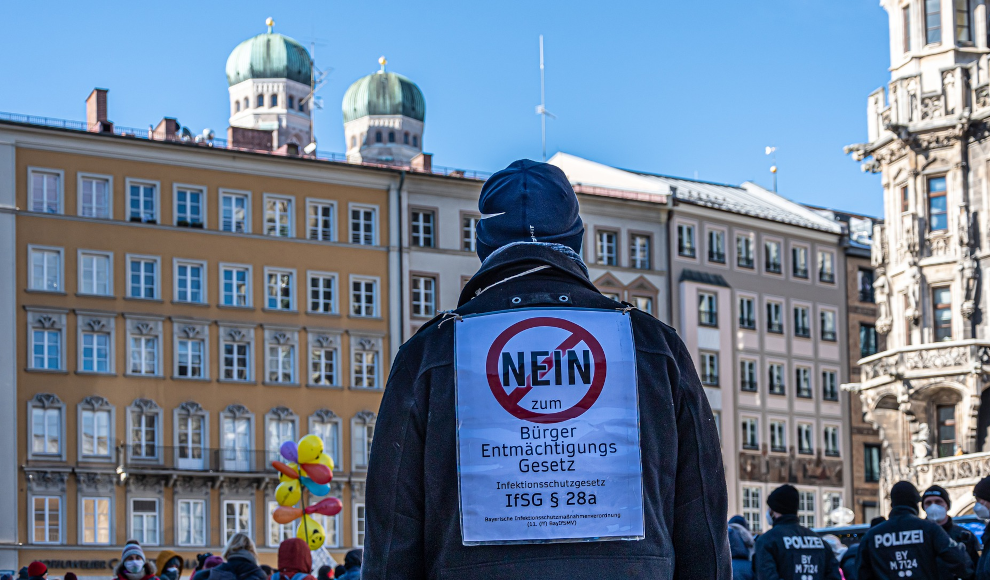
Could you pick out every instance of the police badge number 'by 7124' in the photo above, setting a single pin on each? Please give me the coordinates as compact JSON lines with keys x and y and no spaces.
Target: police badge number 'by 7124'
{"x":548,"y":427}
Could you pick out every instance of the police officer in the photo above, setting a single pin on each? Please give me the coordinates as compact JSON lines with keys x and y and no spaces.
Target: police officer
{"x":936,"y":503}
{"x":791,"y":551}
{"x":981,"y":491}
{"x":906,"y":546}
{"x":530,"y":246}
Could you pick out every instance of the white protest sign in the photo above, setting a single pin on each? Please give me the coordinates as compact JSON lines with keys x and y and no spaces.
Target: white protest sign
{"x":548,"y":427}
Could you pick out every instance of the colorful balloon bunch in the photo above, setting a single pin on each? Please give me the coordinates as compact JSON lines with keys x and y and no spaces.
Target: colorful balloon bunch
{"x":308,"y":469}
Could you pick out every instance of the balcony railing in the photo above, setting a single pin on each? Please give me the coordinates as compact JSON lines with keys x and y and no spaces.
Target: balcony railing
{"x":773,"y":267}
{"x":802,"y":331}
{"x":775,"y":327}
{"x":135,"y":457}
{"x":828,"y":335}
{"x":776,"y":388}
{"x":745,"y":261}
{"x":748,"y":323}
{"x":925,"y":361}
{"x":748,"y":386}
{"x":707,"y":318}
{"x":710,"y":379}
{"x":959,"y":470}
{"x":800,"y":272}
{"x":717,"y":257}
{"x":827,"y":277}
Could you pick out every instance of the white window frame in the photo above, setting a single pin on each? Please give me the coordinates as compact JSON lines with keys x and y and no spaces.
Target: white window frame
{"x":709,"y":368}
{"x":236,"y":413}
{"x":753,"y":365}
{"x":808,"y":372}
{"x":417,"y":307}
{"x":149,"y":408}
{"x":60,"y":283}
{"x":234,"y":193}
{"x":158,"y":521}
{"x":280,"y":416}
{"x":293,"y":289}
{"x":360,"y":446}
{"x":374,"y":223}
{"x":360,"y":532}
{"x":826,"y":443}
{"x":108,"y":179}
{"x":284,"y":531}
{"x":226,"y":532}
{"x":783,"y":377}
{"x":190,"y":330}
{"x":469,"y":226}
{"x":328,"y":417}
{"x":365,"y":344}
{"x":237,"y":335}
{"x":419,"y":240}
{"x":818,"y":268}
{"x":335,"y":292}
{"x":606,"y":251}
{"x":158,"y":275}
{"x":636,"y":260}
{"x":807,"y":263}
{"x":178,"y":519}
{"x":80,"y":255}
{"x":795,"y":307}
{"x":32,"y":171}
{"x":202,"y":190}
{"x":321,"y":203}
{"x":290,"y":212}
{"x":805,"y":430}
{"x":323,"y":342}
{"x":249,"y":294}
{"x":46,"y":402}
{"x":83,"y":499}
{"x":753,"y":513}
{"x":376,"y":298}
{"x":201,"y":264}
{"x":96,"y":404}
{"x":693,"y":226}
{"x":95,"y":323}
{"x":835,"y":374}
{"x":752,"y":426}
{"x":279,"y":337}
{"x":711,"y":232}
{"x":807,"y":517}
{"x":46,"y":320}
{"x":752,"y":251}
{"x":780,"y":252}
{"x":32,"y":521}
{"x":777,"y":429}
{"x":782,"y":317}
{"x":754,"y":310}
{"x":157,"y":194}
{"x":821,"y":324}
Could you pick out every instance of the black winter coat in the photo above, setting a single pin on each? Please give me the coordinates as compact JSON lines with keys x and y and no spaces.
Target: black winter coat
{"x":965,"y":537}
{"x":983,"y":564}
{"x":848,"y":563}
{"x":790,"y":551}
{"x":412,"y":502}
{"x":906,"y":543}
{"x":243,"y":568}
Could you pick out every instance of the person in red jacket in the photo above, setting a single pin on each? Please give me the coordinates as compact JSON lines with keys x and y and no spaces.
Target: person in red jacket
{"x":295,"y":561}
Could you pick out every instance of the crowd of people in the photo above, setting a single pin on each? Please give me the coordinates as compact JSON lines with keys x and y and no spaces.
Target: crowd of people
{"x":238,"y":561}
{"x":902,"y":546}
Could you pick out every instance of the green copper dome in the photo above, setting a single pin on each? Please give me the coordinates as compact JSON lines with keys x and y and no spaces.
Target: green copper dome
{"x":383,"y":93}
{"x":269,"y":56}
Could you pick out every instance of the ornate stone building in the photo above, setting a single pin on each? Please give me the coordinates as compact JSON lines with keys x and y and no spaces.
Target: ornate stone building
{"x":928,"y":138}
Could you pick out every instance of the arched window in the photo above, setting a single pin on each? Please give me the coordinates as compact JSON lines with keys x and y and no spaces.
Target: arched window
{"x":391,"y":136}
{"x":292,"y":102}
{"x":261,"y":101}
{"x":237,"y":106}
{"x":415,"y":141}
{"x":353,"y":141}
{"x":302,"y":106}
{"x":378,"y":136}
{"x":247,"y":105}
{"x":273,"y":101}
{"x":405,"y":138}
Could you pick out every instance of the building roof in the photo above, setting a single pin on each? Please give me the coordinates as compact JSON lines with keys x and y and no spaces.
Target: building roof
{"x":703,"y":278}
{"x":269,"y":56}
{"x":747,"y":199}
{"x":383,"y":93}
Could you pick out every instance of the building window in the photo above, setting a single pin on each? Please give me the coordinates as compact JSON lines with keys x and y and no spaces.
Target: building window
{"x":709,"y":369}
{"x":362,"y":434}
{"x":46,"y":431}
{"x":95,"y":351}
{"x":46,"y":349}
{"x":644,"y":303}
{"x":469,"y":225}
{"x":234,"y":211}
{"x":236,"y":441}
{"x":830,"y":386}
{"x":799,"y":258}
{"x":378,"y":136}
{"x":750,"y":433}
{"x":685,"y":240}
{"x":142,"y":277}
{"x":421,"y":229}
{"x":938,"y":217}
{"x":906,"y":28}
{"x":237,"y":106}
{"x":364,"y":297}
{"x":292,"y":102}
{"x":321,"y":221}
{"x":942,"y":314}
{"x":806,"y":508}
{"x":864,"y":281}
{"x":424,"y":296}
{"x":246,"y":105}
{"x":235,"y":285}
{"x":639,"y":252}
{"x":236,"y":347}
{"x":867,"y":340}
{"x":281,"y":362}
{"x":802,"y":377}
{"x":607,"y":250}
{"x":143,"y":203}
{"x":826,"y":267}
{"x":391,"y":136}
{"x":281,"y":427}
{"x":771,"y":252}
{"x":323,"y":364}
{"x":946,"y":417}
{"x":94,"y":273}
{"x":776,"y":378}
{"x":359,"y":524}
{"x":806,"y":444}
{"x":871,"y":462}
{"x":47,"y":517}
{"x":190,"y":429}
{"x":189,"y":282}
{"x":365,"y":367}
{"x":323,"y":293}
{"x":752,"y":508}
{"x":260,"y":102}
{"x":273,"y":101}
{"x":188,"y":208}
{"x":828,"y":325}
{"x":405,"y":138}
{"x":302,"y":105}
{"x":716,"y":246}
{"x":747,"y":375}
{"x":831,"y":441}
{"x":778,"y":439}
{"x":94,"y":197}
{"x":191,"y":528}
{"x":744,"y":252}
{"x":325,"y":425}
{"x":933,"y":21}
{"x":707,"y":309}
{"x":96,"y":520}
{"x":46,"y":191}
{"x":46,"y":269}
{"x":236,"y":517}
{"x":279,"y":289}
{"x":415,"y":140}
{"x":747,"y":313}
{"x":95,"y":427}
{"x":964,"y":29}
{"x":905,"y":199}
{"x":775,"y":317}
{"x":278,"y":217}
{"x":144,"y":355}
{"x":144,"y":521}
{"x":144,"y":438}
{"x":802,"y":322}
{"x":189,"y":355}
{"x":363,"y":226}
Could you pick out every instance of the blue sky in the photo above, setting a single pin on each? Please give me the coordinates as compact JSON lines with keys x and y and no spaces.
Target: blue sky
{"x":693,"y":89}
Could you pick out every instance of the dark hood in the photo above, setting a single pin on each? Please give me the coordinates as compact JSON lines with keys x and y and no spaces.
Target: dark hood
{"x":294,"y":557}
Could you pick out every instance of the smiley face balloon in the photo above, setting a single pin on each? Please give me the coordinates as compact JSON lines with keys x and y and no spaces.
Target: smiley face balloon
{"x":288,"y":493}
{"x":311,"y":532}
{"x":310,"y":447}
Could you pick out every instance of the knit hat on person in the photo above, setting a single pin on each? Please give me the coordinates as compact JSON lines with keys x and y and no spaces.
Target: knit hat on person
{"x":877,"y":521}
{"x":132,"y":550}
{"x":938,"y":491}
{"x":784,"y":500}
{"x":528,"y":201}
{"x":904,"y":493}
{"x":212,"y":562}
{"x":982,"y":489}
{"x":36,"y":569}
{"x":70,"y":576}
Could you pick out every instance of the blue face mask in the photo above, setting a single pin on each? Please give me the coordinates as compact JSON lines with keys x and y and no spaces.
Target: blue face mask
{"x":769,"y":519}
{"x":981,"y":511}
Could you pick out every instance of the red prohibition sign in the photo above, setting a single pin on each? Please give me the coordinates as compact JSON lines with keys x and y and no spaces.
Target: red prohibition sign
{"x":510,"y":400}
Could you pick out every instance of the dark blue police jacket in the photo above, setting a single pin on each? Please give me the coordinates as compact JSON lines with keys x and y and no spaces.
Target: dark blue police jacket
{"x":906,"y":546}
{"x":791,"y":551}
{"x":413,"y":524}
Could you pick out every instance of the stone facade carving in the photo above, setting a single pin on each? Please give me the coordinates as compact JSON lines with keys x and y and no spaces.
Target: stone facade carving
{"x":192,"y":485}
{"x":39,"y":480}
{"x":95,"y":482}
{"x":790,"y":468}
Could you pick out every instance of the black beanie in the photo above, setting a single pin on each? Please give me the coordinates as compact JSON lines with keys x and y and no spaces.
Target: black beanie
{"x":904,"y":493}
{"x":938,"y":491}
{"x":784,"y":500}
{"x":982,"y":489}
{"x":528,"y":202}
{"x":877,"y":521}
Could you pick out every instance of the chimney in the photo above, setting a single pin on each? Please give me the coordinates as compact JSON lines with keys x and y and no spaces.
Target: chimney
{"x":422,"y":162}
{"x":96,"y":112}
{"x":166,"y":130}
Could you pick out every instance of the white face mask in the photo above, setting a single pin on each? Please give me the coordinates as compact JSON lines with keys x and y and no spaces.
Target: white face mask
{"x":133,"y":566}
{"x":172,"y":570}
{"x":936,"y":513}
{"x":981,"y":511}
{"x":769,"y":519}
